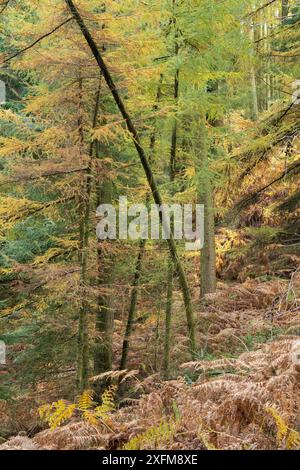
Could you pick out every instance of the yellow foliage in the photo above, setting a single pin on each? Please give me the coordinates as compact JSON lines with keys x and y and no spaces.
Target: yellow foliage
{"x":85,"y":401}
{"x":13,"y":209}
{"x":289,"y":437}
{"x":11,"y":146}
{"x":155,"y":437}
{"x":203,"y":436}
{"x":190,"y":172}
{"x":56,"y":413}
{"x":108,"y":401}
{"x":59,"y":412}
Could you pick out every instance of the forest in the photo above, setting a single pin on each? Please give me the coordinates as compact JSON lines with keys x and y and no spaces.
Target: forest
{"x":119,"y":332}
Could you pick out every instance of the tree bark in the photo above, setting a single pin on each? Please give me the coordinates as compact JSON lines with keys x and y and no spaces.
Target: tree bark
{"x":255,"y":107}
{"x":147,"y":168}
{"x":83,"y":350}
{"x":170,"y":279}
{"x":284,"y":10}
{"x":208,"y":252}
{"x":205,"y":195}
{"x":168,"y":322}
{"x":133,"y":302}
{"x":103,"y":352}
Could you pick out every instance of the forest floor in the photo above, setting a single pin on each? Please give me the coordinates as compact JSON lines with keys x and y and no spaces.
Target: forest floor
{"x":242,"y":392}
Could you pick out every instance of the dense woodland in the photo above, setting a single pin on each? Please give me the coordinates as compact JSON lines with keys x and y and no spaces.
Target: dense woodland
{"x":141,"y":344}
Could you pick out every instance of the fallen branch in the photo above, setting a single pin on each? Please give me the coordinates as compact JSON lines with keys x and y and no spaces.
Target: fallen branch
{"x":253,"y":196}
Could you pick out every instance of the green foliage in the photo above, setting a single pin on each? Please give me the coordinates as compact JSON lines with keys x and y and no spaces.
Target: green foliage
{"x":30,"y":238}
{"x":263,"y":235}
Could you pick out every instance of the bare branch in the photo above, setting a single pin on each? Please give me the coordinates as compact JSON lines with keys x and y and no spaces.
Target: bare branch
{"x":43,"y":175}
{"x":252,"y":13}
{"x":36,"y":42}
{"x":294,"y":168}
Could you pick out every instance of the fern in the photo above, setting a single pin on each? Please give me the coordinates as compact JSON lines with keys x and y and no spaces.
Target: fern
{"x":289,"y":437}
{"x":108,"y":402}
{"x":56,"y":413}
{"x":204,"y":437}
{"x":153,"y":437}
{"x":59,"y":412}
{"x":85,"y":401}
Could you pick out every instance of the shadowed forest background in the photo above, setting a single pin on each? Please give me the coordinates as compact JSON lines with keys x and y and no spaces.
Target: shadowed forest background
{"x":121,"y":344}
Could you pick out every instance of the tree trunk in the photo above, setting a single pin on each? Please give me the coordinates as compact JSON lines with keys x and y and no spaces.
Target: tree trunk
{"x":208,"y":252}
{"x":284,"y":10}
{"x":83,"y":350}
{"x":103,"y":354}
{"x":82,"y":360}
{"x":255,"y":109}
{"x":205,"y":197}
{"x":133,"y":301}
{"x":168,"y":322}
{"x":169,"y":303}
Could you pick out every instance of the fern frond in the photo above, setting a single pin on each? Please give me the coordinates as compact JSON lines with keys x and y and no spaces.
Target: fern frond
{"x":85,"y":400}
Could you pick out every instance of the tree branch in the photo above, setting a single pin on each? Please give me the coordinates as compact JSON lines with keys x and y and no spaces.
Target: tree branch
{"x":252,"y":13}
{"x":252,"y":197}
{"x":4,"y":6}
{"x":35,"y":42}
{"x":43,"y":175}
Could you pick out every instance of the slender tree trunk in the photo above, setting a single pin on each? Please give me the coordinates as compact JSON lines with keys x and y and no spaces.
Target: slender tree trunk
{"x":83,"y":350}
{"x":169,"y":303}
{"x":254,"y":110}
{"x":268,"y":61}
{"x":103,"y":353}
{"x":208,"y":252}
{"x":147,"y":168}
{"x":82,"y":323}
{"x":157,"y":339}
{"x":168,"y":322}
{"x":205,"y":192}
{"x":254,"y":94}
{"x":133,"y":302}
{"x":284,"y":10}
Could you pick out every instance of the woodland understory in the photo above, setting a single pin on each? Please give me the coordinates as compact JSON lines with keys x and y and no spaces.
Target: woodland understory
{"x":131,"y":345}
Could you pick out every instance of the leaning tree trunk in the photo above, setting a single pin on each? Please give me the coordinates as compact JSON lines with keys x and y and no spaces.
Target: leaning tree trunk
{"x":138,"y":268}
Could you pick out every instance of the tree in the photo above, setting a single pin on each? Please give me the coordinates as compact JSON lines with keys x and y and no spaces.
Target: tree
{"x":147,"y":168}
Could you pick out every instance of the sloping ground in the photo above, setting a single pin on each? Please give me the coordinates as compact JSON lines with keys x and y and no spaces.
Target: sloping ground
{"x":242,"y":394}
{"x":229,"y":322}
